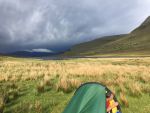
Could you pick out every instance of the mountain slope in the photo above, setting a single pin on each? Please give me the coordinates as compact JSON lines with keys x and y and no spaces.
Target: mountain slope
{"x":135,"y":43}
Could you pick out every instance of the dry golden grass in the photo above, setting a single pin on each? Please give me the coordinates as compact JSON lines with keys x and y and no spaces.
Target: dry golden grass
{"x":47,"y":80}
{"x":135,"y":89}
{"x":67,"y":85}
{"x":146,"y":88}
{"x":124,"y":100}
{"x":71,"y":73}
{"x":14,"y":73}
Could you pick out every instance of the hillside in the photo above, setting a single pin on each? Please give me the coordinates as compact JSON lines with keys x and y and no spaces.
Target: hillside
{"x":135,"y":43}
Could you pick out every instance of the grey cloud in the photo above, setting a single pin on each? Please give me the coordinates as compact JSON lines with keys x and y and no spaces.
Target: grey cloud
{"x":31,"y":24}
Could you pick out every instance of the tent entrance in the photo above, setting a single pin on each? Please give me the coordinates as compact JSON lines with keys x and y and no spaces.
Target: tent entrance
{"x":88,"y":98}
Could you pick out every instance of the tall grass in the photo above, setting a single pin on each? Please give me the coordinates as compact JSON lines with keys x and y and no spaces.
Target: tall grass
{"x":124,"y":100}
{"x":123,"y":76}
{"x":2,"y":104}
{"x":67,"y":85}
{"x":71,"y":73}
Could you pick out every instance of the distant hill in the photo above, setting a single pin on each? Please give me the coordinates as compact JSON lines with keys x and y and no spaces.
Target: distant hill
{"x":135,"y":43}
{"x":2,"y":54}
{"x":31,"y":54}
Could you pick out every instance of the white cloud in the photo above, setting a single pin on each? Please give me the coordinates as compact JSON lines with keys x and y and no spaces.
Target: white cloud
{"x":41,"y":50}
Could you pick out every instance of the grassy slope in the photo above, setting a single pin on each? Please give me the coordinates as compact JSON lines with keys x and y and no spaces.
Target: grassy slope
{"x":135,"y":43}
{"x":93,"y":46}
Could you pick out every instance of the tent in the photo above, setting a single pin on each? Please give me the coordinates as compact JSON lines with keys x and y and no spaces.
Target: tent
{"x":89,"y":98}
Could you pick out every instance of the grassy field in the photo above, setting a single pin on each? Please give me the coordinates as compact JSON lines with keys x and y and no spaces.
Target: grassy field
{"x":37,"y":86}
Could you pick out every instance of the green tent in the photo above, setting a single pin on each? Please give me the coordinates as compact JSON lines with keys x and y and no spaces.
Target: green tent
{"x":88,"y":98}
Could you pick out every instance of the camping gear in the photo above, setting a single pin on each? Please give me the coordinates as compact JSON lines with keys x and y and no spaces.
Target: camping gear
{"x":89,"y":98}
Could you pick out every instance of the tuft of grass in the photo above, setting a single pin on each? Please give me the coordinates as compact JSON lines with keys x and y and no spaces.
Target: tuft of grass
{"x":15,"y":94}
{"x":23,"y":107}
{"x":145,"y":78}
{"x":67,"y":85}
{"x":40,"y":87}
{"x":38,"y":107}
{"x":47,"y":81}
{"x":2,"y":105}
{"x":5,"y":98}
{"x":12,"y":85}
{"x":145,"y":88}
{"x":123,"y":100}
{"x":135,"y":89}
{"x":122,"y":88}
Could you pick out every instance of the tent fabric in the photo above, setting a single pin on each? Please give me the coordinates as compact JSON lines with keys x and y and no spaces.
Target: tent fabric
{"x":89,"y":98}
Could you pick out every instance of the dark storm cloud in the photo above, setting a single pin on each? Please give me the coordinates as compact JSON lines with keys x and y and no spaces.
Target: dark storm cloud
{"x":53,"y":24}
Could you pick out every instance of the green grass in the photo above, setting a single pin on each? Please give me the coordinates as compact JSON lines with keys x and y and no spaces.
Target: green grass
{"x":28,"y":97}
{"x":140,"y":105}
{"x":24,"y":97}
{"x":52,"y":101}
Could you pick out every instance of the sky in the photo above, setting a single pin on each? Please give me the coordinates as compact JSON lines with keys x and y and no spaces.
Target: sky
{"x":54,"y":25}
